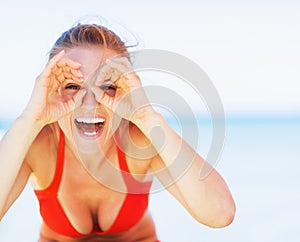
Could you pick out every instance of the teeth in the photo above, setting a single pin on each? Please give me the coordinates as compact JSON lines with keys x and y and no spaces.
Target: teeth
{"x":90,"y":120}
{"x":90,"y":133}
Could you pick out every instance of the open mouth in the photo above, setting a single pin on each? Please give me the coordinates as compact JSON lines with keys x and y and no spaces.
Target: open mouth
{"x":90,"y":127}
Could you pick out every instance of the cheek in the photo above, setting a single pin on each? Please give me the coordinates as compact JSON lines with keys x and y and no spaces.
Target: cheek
{"x":109,"y":114}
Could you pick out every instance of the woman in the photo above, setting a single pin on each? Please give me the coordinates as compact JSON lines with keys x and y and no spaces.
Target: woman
{"x":75,"y":140}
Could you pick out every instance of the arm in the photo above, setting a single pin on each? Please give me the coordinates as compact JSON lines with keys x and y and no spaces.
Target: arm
{"x":176,"y":164}
{"x":209,"y":201}
{"x":44,"y":107}
{"x":13,"y":172}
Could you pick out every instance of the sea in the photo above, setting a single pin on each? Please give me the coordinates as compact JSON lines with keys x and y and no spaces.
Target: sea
{"x":260,"y":161}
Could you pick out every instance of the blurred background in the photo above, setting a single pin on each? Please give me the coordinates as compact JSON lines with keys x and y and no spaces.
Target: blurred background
{"x":249,"y":49}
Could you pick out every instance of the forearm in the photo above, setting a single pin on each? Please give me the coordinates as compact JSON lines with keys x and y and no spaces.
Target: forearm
{"x":209,"y":199}
{"x":168,"y":144}
{"x":13,"y":149}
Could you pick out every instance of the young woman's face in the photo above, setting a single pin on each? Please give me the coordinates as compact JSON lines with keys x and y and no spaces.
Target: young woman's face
{"x":89,"y":127}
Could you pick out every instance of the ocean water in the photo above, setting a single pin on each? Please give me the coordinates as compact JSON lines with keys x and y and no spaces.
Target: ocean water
{"x":260,"y":163}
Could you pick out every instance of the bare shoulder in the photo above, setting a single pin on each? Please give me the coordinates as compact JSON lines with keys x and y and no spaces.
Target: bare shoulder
{"x":42,"y":154}
{"x":43,"y":142}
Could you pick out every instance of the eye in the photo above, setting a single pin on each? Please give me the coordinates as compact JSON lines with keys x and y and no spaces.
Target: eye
{"x":72,"y":86}
{"x":68,"y":90}
{"x":110,"y":90}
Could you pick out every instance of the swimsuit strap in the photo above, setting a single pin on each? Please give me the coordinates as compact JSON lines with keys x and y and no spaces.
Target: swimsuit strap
{"x":60,"y":161}
{"x":121,"y":156}
{"x":52,"y":189}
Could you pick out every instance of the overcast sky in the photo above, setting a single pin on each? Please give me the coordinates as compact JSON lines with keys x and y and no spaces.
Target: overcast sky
{"x":249,"y":49}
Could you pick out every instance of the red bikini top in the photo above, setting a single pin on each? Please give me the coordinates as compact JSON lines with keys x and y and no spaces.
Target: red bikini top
{"x":132,"y":209}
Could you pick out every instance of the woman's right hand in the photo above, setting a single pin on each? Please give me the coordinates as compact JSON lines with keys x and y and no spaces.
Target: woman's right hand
{"x":46,"y":104}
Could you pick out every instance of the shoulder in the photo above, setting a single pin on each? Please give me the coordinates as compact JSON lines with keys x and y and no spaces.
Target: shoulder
{"x":44,"y":145}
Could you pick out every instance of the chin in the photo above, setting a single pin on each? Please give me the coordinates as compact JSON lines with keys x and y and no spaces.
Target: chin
{"x":91,"y":134}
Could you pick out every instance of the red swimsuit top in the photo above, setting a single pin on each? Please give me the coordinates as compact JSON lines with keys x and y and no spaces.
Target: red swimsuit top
{"x":132,"y":209}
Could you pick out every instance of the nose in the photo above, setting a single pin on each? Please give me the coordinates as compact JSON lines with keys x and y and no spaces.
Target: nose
{"x":89,"y":100}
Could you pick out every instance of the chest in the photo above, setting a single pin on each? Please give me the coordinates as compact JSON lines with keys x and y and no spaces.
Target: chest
{"x":91,"y":195}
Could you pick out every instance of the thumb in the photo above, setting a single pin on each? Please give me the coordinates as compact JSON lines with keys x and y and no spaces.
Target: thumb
{"x":101,"y":97}
{"x":77,"y":98}
{"x":98,"y":93}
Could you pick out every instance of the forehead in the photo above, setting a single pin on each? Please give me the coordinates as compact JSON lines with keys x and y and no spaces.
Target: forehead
{"x":89,"y":57}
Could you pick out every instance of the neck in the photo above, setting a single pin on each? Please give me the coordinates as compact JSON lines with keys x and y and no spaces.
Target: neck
{"x":94,"y":162}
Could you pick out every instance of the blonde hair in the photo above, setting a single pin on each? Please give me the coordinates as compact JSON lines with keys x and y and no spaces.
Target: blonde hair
{"x":89,"y":35}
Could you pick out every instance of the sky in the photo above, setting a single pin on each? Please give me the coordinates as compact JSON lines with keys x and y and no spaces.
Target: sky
{"x":249,"y":49}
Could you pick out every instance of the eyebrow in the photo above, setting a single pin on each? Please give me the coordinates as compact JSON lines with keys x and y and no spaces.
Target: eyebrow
{"x":108,"y":80}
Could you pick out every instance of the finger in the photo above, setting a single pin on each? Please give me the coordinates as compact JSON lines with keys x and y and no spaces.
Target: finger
{"x":122,"y":60}
{"x":75,"y":101}
{"x":102,"y":98}
{"x":77,"y":98}
{"x":98,"y":93}
{"x":57,"y":70}
{"x":52,"y":63}
{"x":104,"y":74}
{"x":69,"y":63}
{"x":52,"y":83}
{"x":61,"y":78}
{"x":112,"y":76}
{"x":121,"y":64}
{"x":64,"y":67}
{"x":76,"y":73}
{"x":55,"y":59}
{"x":68,"y":73}
{"x":122,"y":69}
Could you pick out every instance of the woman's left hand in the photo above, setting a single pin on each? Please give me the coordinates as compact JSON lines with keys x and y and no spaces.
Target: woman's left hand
{"x":119,"y":88}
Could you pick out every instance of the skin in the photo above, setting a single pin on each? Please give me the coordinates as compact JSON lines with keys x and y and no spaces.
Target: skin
{"x":209,"y":201}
